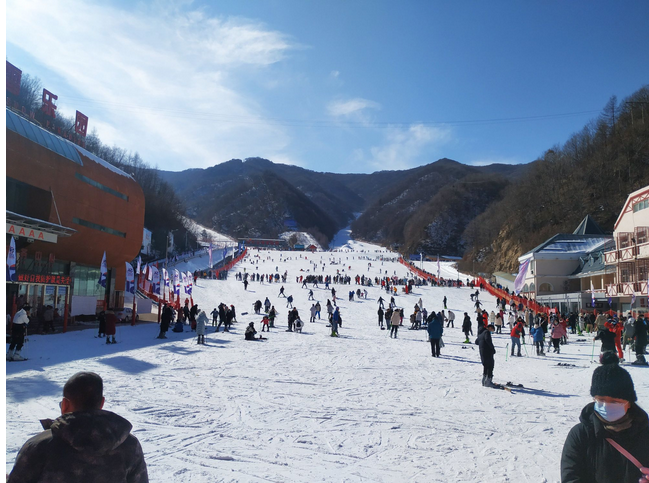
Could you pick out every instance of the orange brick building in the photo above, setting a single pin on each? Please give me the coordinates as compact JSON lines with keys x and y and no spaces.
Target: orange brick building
{"x":65,"y":207}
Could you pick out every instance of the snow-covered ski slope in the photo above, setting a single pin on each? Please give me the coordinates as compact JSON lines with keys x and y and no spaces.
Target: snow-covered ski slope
{"x":308,"y":407}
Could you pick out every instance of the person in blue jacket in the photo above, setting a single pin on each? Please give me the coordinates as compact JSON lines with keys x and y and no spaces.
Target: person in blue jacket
{"x":539,"y":335}
{"x":435,"y":331}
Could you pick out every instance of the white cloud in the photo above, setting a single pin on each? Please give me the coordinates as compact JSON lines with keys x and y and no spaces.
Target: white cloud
{"x":404,"y":146}
{"x":352,"y":108}
{"x":165,"y":77}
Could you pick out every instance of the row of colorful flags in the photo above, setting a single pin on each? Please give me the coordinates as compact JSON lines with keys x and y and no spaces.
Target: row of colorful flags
{"x":153,"y":275}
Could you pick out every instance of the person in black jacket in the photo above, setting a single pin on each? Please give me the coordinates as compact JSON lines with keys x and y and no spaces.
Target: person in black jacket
{"x":466,"y":327}
{"x":84,"y":444}
{"x":608,"y":341}
{"x":487,"y":351}
{"x":165,"y":321}
{"x":640,"y":340}
{"x":608,"y":427}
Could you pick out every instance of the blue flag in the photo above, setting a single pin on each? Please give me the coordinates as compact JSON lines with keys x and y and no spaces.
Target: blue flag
{"x":104,"y":272}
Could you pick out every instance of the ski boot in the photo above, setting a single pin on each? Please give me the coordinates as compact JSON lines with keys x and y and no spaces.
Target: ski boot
{"x":107,"y":340}
{"x":18,"y":357}
{"x":484,"y":380}
{"x":489,"y":383}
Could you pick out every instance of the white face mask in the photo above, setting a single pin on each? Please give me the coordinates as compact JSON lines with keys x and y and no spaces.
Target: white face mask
{"x":610,"y":411}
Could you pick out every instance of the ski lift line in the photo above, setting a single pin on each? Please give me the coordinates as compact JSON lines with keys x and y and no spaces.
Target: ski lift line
{"x":187,"y":114}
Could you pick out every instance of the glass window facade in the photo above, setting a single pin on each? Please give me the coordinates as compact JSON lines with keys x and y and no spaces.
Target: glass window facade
{"x":84,"y":281}
{"x":96,"y":226}
{"x":102,"y":187}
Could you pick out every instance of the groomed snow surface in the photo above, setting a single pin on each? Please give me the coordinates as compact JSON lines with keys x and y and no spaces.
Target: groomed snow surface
{"x":308,"y":407}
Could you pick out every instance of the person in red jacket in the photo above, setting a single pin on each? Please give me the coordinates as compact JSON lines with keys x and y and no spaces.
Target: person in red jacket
{"x":613,"y":325}
{"x":516,"y":337}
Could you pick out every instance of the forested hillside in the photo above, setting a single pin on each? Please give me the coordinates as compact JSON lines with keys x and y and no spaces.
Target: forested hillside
{"x":592,"y":173}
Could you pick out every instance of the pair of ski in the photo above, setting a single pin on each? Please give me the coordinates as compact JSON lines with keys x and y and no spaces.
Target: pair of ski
{"x":506,"y":387}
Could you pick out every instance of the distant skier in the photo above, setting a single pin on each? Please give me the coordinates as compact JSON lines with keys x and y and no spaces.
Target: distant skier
{"x":381,"y":303}
{"x":281,"y":292}
{"x":435,"y":331}
{"x":451,"y":319}
{"x":335,"y":319}
{"x":444,"y":302}
{"x":318,"y":308}
{"x":201,"y":322}
{"x":18,"y":331}
{"x":289,"y":301}
{"x":380,"y":313}
{"x":311,"y":295}
{"x":395,"y":320}
{"x":487,"y":351}
{"x":466,"y":327}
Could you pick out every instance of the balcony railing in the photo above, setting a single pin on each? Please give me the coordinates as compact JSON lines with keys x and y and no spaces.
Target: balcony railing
{"x":611,"y":257}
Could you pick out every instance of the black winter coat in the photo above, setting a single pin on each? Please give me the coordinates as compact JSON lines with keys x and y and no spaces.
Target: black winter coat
{"x":487,"y":349}
{"x":588,"y":458}
{"x":608,"y":340}
{"x":641,"y":331}
{"x":82,"y":447}
{"x":466,"y":324}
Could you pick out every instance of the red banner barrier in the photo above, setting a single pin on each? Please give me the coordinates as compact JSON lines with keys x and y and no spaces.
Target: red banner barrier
{"x":499,"y":293}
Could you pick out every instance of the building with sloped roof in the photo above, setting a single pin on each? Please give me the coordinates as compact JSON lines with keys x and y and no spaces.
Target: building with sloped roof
{"x":630,"y":255}
{"x":562,"y":269}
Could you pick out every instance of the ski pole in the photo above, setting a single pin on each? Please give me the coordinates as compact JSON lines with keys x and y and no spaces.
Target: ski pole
{"x":525,"y":347}
{"x":506,"y":351}
{"x":592,"y":354}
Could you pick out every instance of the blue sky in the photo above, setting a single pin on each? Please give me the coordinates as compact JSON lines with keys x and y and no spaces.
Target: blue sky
{"x":341,"y":86}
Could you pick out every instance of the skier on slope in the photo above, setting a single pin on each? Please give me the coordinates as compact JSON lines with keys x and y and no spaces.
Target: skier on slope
{"x":266,"y":305}
{"x":18,"y":331}
{"x":487,"y":351}
{"x":435,"y":331}
{"x":466,"y":327}
{"x":201,"y":322}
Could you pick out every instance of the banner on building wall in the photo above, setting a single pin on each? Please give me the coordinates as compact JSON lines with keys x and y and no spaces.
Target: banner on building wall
{"x":210,"y":252}
{"x":520,"y":278}
{"x":104,"y":272}
{"x":149,"y":273}
{"x":11,"y":262}
{"x":139,"y":265}
{"x":184,"y":277}
{"x":130,"y":279}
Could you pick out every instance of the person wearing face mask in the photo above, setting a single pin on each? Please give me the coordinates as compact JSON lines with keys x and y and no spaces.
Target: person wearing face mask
{"x":611,"y":442}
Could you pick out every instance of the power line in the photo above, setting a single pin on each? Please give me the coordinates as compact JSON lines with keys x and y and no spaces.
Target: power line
{"x":180,"y":113}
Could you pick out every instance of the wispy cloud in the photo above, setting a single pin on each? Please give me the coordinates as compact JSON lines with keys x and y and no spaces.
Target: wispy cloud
{"x":403,"y":148}
{"x":355,"y":109}
{"x":166,"y":76}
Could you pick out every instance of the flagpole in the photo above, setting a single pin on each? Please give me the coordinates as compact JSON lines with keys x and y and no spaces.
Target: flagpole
{"x":134,"y":305}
